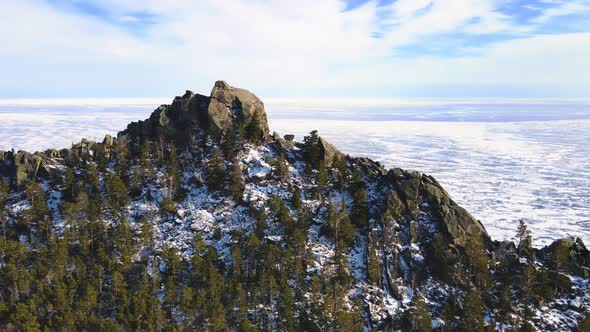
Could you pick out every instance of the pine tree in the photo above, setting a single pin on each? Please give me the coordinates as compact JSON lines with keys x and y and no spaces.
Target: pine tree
{"x":69,"y":192}
{"x":260,"y":223}
{"x":253,"y":131}
{"x":296,"y":202}
{"x":341,"y":228}
{"x":167,"y":207}
{"x":3,"y":199}
{"x":236,"y":182}
{"x":281,"y":168}
{"x":360,"y":208}
{"x":215,"y":171}
{"x":522,"y":232}
{"x":560,"y":257}
{"x":160,"y":148}
{"x":173,"y":173}
{"x":92,"y":180}
{"x":312,"y":150}
{"x":145,"y":155}
{"x":528,"y":279}
{"x":322,"y":178}
{"x":36,"y":197}
{"x":421,"y":321}
{"x":281,"y":214}
{"x":116,"y":192}
{"x":373,"y":262}
{"x":527,"y":316}
{"x":448,"y":313}
{"x":229,"y":144}
{"x":472,"y":319}
{"x":478,"y":260}
{"x":215,"y":312}
{"x":136,"y":181}
{"x":297,"y":244}
{"x":287,"y":305}
{"x":340,"y":165}
{"x":348,"y":321}
{"x":23,"y":319}
{"x":236,"y":254}
{"x":503,"y":306}
{"x":121,"y":148}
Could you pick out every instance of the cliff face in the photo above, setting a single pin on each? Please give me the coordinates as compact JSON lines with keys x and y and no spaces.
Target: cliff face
{"x":349,"y":242}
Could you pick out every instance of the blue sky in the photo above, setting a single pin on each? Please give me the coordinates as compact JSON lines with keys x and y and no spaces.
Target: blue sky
{"x":303,"y":49}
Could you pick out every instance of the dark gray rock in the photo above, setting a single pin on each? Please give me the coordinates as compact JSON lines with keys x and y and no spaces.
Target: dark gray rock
{"x":505,"y":250}
{"x":413,"y":189}
{"x":226,"y":109}
{"x":578,"y":254}
{"x":283,"y":144}
{"x":52,"y":154}
{"x":229,"y":104}
{"x":369,"y":166}
{"x":108,"y":141}
{"x":408,"y":189}
{"x":25,"y":167}
{"x":328,"y":152}
{"x":289,"y":137}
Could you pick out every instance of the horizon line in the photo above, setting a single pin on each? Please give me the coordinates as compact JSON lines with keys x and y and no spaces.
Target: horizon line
{"x":289,"y":101}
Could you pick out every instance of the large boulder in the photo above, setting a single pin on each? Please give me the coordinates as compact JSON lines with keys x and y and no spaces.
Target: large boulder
{"x":577,"y":255}
{"x":282,"y":143}
{"x":414,"y":190}
{"x":229,"y":105}
{"x":25,"y":166}
{"x":328,"y":152}
{"x":176,"y":121}
{"x":228,"y":108}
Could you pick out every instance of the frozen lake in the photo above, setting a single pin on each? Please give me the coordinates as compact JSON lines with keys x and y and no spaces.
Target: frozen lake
{"x":501,"y":160}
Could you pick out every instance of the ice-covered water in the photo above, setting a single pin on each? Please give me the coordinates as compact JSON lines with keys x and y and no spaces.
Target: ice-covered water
{"x":502,"y":161}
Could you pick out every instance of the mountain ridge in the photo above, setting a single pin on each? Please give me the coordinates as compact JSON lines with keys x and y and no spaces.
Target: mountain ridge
{"x":392,"y":238}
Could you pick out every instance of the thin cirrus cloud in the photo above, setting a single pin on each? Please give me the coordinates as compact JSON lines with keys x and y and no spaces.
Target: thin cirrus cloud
{"x":279,"y":48}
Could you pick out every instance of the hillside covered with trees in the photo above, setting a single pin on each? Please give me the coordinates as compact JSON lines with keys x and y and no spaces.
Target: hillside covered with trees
{"x":199,"y":219}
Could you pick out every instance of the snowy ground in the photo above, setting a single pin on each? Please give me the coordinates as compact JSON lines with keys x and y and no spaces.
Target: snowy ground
{"x":493,"y":162}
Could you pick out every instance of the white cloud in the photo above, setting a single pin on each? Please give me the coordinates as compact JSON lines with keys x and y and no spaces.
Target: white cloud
{"x":129,"y":19}
{"x":279,"y":48}
{"x":563,"y":8}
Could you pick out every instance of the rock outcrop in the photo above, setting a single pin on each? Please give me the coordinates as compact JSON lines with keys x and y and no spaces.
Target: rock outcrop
{"x":20,"y":166}
{"x":576,"y":255}
{"x":328,"y":152}
{"x":413,"y":189}
{"x":228,"y":108}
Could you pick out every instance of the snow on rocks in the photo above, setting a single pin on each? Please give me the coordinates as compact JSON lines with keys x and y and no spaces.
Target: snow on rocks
{"x":202,"y":220}
{"x":255,"y":162}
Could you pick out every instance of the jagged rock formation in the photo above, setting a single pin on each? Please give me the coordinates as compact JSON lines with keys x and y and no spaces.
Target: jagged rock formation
{"x":413,"y":188}
{"x":241,"y":228}
{"x":20,"y":166}
{"x":231,"y":106}
{"x":226,"y":109}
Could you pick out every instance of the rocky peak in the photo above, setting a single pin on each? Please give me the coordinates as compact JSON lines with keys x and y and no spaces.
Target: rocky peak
{"x":228,"y":108}
{"x":412,"y":190}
